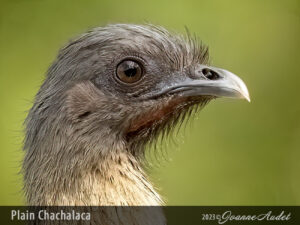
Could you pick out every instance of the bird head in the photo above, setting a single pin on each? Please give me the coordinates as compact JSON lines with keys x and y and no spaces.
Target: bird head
{"x":121,"y":85}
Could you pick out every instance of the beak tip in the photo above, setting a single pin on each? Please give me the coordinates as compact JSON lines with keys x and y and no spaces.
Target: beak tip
{"x":248,"y":98}
{"x":246,"y":95}
{"x":244,"y":90}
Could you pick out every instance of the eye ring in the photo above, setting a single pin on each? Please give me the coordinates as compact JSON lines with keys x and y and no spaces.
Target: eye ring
{"x":129,"y":71}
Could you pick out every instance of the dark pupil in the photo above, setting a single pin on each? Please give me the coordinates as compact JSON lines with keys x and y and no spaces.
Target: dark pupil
{"x":131,"y":72}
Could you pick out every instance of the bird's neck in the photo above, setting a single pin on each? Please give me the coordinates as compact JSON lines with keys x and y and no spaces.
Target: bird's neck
{"x":117,"y":179}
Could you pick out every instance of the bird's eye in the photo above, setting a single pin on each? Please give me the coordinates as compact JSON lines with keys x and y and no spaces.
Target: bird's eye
{"x":129,"y":71}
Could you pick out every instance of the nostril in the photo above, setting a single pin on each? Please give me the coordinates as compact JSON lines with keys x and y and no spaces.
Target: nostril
{"x":210,"y":74}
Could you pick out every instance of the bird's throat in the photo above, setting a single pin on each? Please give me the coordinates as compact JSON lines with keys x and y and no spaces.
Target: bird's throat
{"x":116,"y":180}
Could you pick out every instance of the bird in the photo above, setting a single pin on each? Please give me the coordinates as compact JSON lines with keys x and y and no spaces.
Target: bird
{"x":110,"y":93}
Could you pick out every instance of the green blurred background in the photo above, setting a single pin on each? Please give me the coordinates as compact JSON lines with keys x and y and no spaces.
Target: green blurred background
{"x":235,"y":153}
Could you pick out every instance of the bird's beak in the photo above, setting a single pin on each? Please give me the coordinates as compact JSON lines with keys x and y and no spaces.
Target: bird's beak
{"x":210,"y":81}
